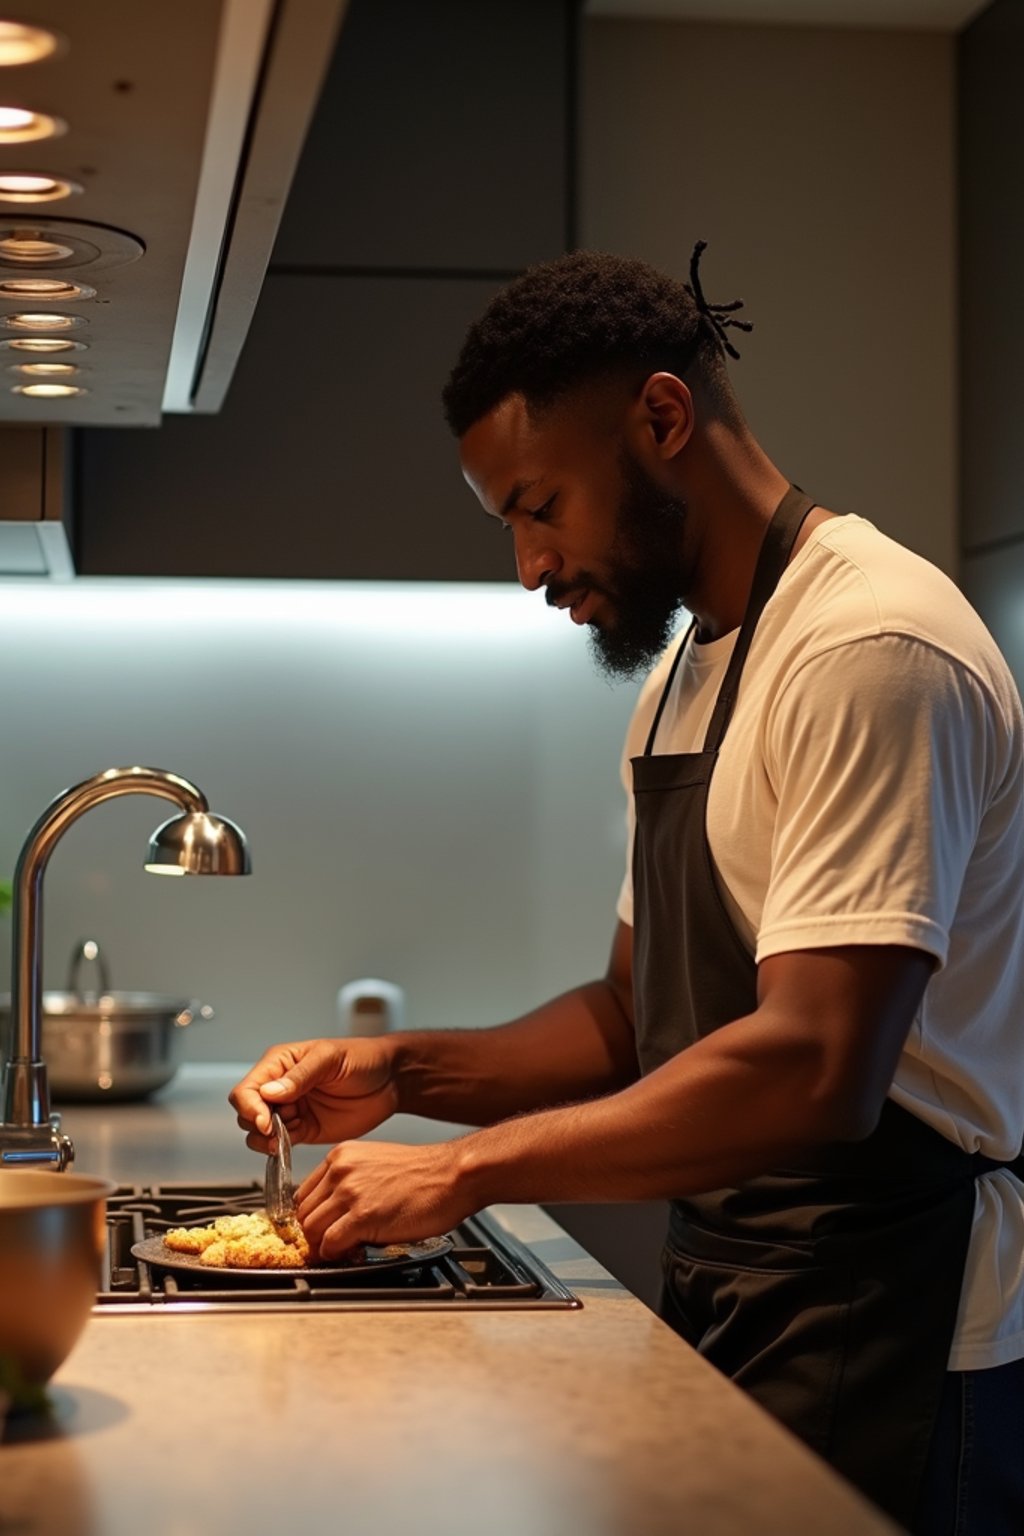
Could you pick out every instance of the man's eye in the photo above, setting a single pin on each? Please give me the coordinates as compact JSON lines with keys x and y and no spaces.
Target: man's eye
{"x":541,"y":514}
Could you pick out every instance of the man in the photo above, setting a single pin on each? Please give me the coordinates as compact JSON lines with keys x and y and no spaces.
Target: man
{"x":808,"y":1034}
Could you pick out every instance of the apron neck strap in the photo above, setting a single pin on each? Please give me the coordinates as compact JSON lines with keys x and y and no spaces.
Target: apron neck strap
{"x":776,"y":547}
{"x":779,"y":538}
{"x":677,"y":658}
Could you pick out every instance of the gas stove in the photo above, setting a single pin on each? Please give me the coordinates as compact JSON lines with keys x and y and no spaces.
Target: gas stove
{"x":485,"y":1268}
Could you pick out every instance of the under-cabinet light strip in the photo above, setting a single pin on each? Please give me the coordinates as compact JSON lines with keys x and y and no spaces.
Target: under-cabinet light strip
{"x":397,"y":612}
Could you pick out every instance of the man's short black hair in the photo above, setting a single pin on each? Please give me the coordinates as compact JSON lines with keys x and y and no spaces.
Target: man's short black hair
{"x":584,"y":316}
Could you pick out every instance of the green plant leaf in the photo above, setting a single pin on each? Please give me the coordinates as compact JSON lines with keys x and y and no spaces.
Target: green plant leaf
{"x":24,"y":1395}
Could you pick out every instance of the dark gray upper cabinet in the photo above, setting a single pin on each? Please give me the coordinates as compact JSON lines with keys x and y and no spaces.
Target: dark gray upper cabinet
{"x":438,"y":164}
{"x":329,"y":458}
{"x":442,"y":139}
{"x":991,"y":126}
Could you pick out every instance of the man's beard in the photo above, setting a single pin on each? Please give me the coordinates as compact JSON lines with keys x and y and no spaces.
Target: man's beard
{"x":644,"y":579}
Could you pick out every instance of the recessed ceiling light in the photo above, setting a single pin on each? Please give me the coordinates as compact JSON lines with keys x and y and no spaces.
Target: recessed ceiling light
{"x":45,"y":370}
{"x":32,"y":321}
{"x":50,"y":242}
{"x":22,"y":44}
{"x":21,"y":187}
{"x":31,"y":248}
{"x":43,"y":288}
{"x":48,"y":391}
{"x":18,"y":125}
{"x":43,"y":345}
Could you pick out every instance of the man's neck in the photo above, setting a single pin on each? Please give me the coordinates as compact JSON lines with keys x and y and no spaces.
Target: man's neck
{"x":731,"y":513}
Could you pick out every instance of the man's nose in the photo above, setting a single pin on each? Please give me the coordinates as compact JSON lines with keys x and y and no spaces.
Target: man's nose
{"x":536,"y":561}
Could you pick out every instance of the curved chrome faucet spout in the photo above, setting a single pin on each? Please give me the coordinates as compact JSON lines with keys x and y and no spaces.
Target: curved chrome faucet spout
{"x":195,"y":842}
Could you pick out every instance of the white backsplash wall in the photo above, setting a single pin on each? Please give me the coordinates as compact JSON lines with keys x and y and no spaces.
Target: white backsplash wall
{"x":428,"y":777}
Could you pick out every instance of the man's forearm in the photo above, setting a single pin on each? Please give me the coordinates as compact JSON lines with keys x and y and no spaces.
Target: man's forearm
{"x":731,"y":1106}
{"x":575,"y":1047}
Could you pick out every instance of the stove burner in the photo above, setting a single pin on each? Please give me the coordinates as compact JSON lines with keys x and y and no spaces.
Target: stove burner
{"x":485,"y":1268}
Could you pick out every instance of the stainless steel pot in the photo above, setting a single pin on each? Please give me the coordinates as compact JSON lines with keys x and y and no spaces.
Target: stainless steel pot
{"x":103,"y":1044}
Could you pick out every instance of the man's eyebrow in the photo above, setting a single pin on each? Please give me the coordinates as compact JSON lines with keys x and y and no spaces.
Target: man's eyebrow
{"x":519,"y":489}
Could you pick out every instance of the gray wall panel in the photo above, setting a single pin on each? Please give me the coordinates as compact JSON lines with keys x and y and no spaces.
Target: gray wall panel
{"x":440,"y":140}
{"x":330,"y":458}
{"x":819,"y":164}
{"x":994,"y":584}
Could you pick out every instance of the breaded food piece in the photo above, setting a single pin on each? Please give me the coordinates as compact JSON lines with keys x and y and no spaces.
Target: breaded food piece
{"x":243,"y":1242}
{"x":243,"y":1225}
{"x":190,"y":1239}
{"x":218,"y":1254}
{"x":267,"y":1252}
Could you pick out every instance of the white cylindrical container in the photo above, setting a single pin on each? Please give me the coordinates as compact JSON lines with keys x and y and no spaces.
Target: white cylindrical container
{"x":370,"y":1007}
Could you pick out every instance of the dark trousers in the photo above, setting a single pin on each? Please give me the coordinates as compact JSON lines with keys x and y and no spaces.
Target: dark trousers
{"x":974,"y":1483}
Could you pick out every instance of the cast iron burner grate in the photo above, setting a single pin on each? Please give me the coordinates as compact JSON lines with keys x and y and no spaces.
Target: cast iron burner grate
{"x":486,"y":1268}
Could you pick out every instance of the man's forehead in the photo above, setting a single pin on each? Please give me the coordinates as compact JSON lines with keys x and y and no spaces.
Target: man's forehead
{"x":508,"y":427}
{"x":513,"y":446}
{"x":498,"y":451}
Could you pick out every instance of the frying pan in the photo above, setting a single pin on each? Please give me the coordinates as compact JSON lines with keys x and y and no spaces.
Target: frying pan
{"x":396,"y":1256}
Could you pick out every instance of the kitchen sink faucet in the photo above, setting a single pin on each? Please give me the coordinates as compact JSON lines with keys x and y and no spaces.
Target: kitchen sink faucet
{"x":195,"y":842}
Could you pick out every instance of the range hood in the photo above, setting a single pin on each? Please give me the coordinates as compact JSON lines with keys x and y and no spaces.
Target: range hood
{"x":145,"y":158}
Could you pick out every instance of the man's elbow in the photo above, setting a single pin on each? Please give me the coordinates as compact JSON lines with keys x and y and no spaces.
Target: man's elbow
{"x":846,"y":1112}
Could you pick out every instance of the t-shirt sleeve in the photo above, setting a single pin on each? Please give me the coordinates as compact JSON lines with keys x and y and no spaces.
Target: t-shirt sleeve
{"x":880,"y":752}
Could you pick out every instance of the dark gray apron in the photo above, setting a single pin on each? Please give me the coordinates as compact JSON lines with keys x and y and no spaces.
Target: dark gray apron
{"x":828,"y":1290}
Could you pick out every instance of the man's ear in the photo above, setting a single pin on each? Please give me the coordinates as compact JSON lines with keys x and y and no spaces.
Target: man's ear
{"x":663,"y":414}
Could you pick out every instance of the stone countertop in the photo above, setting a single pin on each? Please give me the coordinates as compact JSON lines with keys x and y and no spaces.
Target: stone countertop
{"x":600,"y":1422}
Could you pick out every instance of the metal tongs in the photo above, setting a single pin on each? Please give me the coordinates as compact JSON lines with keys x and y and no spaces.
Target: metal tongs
{"x":279,"y":1193}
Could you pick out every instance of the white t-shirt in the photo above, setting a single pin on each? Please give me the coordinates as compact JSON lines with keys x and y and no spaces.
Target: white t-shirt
{"x":870,"y":790}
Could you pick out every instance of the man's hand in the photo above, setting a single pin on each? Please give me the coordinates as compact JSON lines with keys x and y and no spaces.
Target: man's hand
{"x":379,"y":1192}
{"x":324,"y":1090}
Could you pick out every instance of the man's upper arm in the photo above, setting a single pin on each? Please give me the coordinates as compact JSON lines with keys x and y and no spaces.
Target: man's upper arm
{"x":851,"y":1006}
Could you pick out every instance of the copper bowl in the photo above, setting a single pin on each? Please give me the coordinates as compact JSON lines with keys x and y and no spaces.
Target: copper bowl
{"x":52,"y":1236}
